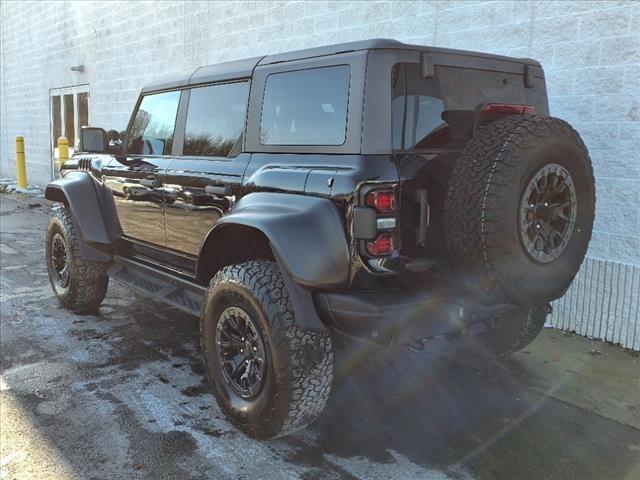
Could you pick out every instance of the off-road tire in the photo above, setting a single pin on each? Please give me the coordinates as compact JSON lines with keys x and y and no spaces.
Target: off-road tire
{"x":520,"y":329}
{"x":484,"y":194}
{"x":299,"y":363}
{"x":88,"y":280}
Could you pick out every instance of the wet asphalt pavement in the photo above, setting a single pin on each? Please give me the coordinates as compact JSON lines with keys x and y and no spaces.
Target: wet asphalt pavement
{"x":121,"y":395}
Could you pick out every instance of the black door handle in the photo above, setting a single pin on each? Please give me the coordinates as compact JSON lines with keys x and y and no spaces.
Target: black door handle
{"x":220,"y":191}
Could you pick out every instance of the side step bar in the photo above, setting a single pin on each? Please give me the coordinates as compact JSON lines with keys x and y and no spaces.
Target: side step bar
{"x":168,"y":288}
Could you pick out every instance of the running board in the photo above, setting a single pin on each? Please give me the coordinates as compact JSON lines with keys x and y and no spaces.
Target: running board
{"x":182,"y":294}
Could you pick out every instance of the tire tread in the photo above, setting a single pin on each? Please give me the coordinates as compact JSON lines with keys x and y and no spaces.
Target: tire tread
{"x":89,"y":281}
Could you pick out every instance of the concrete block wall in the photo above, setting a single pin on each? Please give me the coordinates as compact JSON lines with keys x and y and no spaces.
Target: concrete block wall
{"x":590,"y":51}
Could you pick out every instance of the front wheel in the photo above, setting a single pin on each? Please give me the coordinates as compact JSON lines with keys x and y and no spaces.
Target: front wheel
{"x":78,"y":283}
{"x":270,"y":377}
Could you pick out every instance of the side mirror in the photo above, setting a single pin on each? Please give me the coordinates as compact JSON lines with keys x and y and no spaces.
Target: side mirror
{"x":93,"y":140}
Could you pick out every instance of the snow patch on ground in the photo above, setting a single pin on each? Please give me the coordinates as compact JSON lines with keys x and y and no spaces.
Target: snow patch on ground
{"x":364,"y":468}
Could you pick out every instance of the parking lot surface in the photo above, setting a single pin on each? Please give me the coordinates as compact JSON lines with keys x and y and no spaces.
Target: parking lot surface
{"x":121,"y":395}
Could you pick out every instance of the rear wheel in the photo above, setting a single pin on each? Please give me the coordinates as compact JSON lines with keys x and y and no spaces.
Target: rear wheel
{"x":78,"y":283}
{"x":270,"y":377}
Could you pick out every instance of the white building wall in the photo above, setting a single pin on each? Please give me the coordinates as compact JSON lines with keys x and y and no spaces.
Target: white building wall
{"x":590,"y":51}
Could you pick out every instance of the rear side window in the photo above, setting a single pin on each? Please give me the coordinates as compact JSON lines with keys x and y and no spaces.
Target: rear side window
{"x":154,"y":124}
{"x":306,"y":107}
{"x":215,"y":119}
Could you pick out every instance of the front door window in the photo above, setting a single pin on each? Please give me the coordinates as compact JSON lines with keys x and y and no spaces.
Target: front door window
{"x":153,"y":126}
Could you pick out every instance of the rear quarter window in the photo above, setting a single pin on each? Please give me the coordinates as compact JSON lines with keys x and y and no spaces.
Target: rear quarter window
{"x":306,"y":107}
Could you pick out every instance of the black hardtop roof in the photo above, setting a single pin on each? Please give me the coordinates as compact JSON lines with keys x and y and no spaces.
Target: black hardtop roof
{"x":244,"y":68}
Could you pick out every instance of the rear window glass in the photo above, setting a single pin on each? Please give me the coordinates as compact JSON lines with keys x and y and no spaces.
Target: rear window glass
{"x":306,"y":107}
{"x":154,"y":124}
{"x":437,"y":113}
{"x":215,"y":119}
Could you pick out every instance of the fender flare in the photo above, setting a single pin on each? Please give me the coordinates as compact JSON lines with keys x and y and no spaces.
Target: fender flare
{"x":308,"y":240}
{"x":77,"y":191}
{"x":306,"y":234}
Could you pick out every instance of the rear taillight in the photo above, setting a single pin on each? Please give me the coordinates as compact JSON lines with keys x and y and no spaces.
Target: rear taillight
{"x":382,"y":246}
{"x":384,"y":201}
{"x":513,"y":108}
{"x":381,"y":199}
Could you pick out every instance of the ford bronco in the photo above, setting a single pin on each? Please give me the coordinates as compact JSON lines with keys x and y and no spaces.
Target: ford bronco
{"x":398,"y":193}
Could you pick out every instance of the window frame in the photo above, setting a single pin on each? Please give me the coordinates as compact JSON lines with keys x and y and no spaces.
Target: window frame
{"x":183,"y":112}
{"x":346,"y":118}
{"x":352,"y":145}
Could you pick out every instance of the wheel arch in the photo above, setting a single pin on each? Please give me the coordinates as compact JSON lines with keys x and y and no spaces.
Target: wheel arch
{"x":228,"y":244}
{"x":55,"y":193}
{"x":242,"y":243}
{"x":303,"y":234}
{"x":77,"y":192}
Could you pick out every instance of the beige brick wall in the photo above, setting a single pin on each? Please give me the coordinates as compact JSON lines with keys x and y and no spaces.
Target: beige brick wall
{"x":589,"y":49}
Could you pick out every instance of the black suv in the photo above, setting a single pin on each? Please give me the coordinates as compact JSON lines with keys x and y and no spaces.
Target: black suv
{"x":399,"y":193}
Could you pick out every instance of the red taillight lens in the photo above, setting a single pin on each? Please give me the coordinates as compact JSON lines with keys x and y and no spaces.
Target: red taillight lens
{"x":384,"y":201}
{"x":509,"y":108}
{"x":382,"y":246}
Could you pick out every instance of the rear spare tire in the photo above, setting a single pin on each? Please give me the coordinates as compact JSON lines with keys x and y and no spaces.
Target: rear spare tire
{"x":519,"y":210}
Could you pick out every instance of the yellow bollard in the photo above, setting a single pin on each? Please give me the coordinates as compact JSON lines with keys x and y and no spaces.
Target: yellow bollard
{"x":63,"y":150}
{"x":21,"y":166}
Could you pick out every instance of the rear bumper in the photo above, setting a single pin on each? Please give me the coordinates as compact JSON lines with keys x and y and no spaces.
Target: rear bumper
{"x":397,"y":317}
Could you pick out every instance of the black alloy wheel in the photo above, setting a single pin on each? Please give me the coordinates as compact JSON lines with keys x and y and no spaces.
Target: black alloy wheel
{"x":548,"y":213}
{"x":241,"y":352}
{"x":59,"y":260}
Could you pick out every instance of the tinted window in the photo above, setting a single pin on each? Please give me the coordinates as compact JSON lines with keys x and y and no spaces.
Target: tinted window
{"x":439,"y":112}
{"x":152,"y":129}
{"x":416,"y":108}
{"x":215,"y":119}
{"x":306,"y":107}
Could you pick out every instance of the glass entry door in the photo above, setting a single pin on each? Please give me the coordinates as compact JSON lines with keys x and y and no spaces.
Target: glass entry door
{"x":69,"y":112}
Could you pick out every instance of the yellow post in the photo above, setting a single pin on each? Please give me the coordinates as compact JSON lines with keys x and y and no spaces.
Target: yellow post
{"x":21,"y":166}
{"x":63,"y":150}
